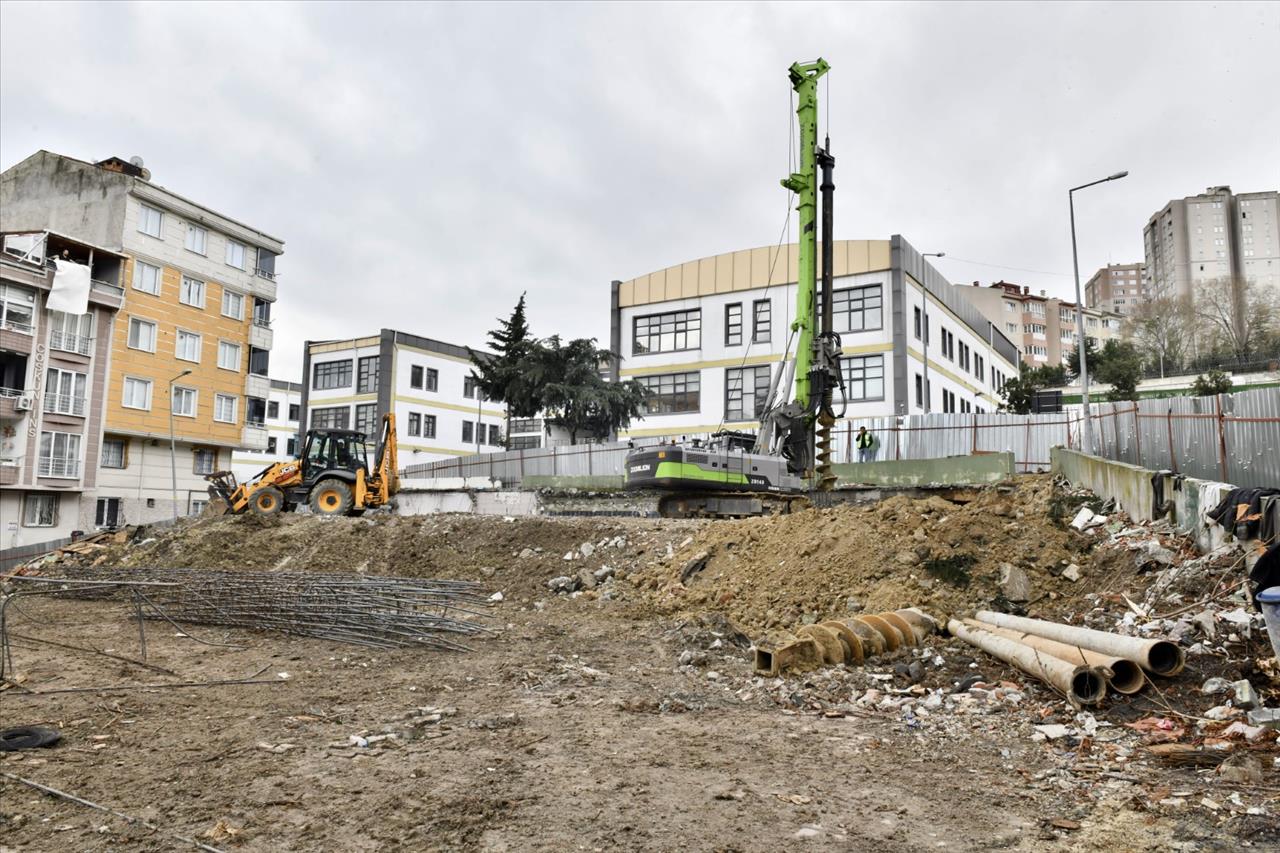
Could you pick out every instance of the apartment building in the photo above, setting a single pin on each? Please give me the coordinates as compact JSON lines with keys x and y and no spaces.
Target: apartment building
{"x":706,"y":336}
{"x":284,"y":413}
{"x":190,"y":352}
{"x":440,"y":413}
{"x":1118,"y":288}
{"x":1217,"y":234}
{"x":56,"y":326}
{"x":1044,"y":327}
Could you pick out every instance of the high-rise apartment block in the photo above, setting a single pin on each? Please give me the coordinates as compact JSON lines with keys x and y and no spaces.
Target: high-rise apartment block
{"x":190,"y":349}
{"x":1217,"y":235}
{"x":1118,"y":288}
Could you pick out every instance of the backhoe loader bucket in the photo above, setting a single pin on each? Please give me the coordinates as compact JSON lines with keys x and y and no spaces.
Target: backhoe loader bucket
{"x":222,"y":485}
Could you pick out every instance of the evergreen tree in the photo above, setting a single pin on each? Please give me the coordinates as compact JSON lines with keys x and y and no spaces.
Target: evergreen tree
{"x":502,"y":376}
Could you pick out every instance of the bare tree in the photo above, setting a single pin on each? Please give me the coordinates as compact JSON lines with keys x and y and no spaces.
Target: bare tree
{"x":1237,"y":315}
{"x":1161,"y":328}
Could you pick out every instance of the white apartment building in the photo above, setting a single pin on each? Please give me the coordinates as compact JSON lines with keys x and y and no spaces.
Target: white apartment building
{"x":705,"y":337}
{"x":1215,"y":235}
{"x":191,"y":347}
{"x":351,"y":384}
{"x":283,"y":414}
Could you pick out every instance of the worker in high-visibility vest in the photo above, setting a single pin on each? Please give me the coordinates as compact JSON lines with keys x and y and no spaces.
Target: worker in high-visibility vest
{"x":865,"y":442}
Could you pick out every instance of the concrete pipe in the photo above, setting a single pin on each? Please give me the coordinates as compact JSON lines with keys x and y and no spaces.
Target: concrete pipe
{"x":852,"y":645}
{"x":1081,"y":685}
{"x":908,"y":633}
{"x":892,"y":636}
{"x":1123,"y":675}
{"x":828,"y":642}
{"x":1162,"y":657}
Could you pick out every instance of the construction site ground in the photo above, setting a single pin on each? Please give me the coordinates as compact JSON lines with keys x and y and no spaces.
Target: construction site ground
{"x":622,"y":712}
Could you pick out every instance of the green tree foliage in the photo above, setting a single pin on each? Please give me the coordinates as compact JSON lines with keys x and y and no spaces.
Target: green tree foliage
{"x":503,"y":375}
{"x":560,"y":380}
{"x":1213,"y":382}
{"x":573,"y":394}
{"x":1019,"y":393}
{"x":1121,"y":368}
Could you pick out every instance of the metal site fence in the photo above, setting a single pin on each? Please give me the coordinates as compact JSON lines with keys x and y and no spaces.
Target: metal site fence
{"x":1234,"y":438}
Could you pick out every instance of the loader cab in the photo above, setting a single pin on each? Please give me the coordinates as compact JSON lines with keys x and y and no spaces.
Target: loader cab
{"x":330,"y":450}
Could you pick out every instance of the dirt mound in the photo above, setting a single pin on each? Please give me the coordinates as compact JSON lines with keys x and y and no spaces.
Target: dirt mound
{"x":817,"y":564}
{"x":518,"y":554}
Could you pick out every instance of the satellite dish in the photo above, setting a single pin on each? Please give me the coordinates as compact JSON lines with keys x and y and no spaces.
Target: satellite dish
{"x":136,"y":160}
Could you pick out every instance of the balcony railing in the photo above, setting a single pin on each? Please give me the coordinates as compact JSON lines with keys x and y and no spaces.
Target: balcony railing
{"x":15,"y":326}
{"x":70,"y":342}
{"x":64,"y":404}
{"x":107,"y":287}
{"x":11,"y":392}
{"x":269,"y":276}
{"x":57,"y":467}
{"x":264,"y":322}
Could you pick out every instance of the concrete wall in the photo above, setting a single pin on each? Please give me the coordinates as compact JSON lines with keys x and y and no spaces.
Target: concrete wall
{"x":1133,"y":490}
{"x":951,"y":471}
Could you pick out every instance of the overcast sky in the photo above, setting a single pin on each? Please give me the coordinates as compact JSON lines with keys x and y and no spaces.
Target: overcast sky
{"x":426,"y":163}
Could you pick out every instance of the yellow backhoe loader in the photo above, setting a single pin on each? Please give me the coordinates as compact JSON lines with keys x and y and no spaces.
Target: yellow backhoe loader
{"x":332,"y":476}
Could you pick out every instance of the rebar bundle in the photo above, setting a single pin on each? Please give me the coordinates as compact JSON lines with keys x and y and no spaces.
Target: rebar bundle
{"x":384,"y":612}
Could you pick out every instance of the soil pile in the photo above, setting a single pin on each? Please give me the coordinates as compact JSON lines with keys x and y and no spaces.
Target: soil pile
{"x":517,"y":554}
{"x":944,"y":556}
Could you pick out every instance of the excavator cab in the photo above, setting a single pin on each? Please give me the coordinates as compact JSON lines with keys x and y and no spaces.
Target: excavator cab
{"x":329,"y":451}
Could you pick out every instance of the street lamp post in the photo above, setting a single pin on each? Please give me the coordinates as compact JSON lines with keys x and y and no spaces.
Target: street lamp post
{"x":1083,"y":339}
{"x":173,"y":452}
{"x":924,"y":327}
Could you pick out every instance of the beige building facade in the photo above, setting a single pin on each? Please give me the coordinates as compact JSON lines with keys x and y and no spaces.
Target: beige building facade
{"x":1044,"y":327}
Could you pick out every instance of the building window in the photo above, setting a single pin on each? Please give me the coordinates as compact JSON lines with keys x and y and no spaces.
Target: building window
{"x":70,"y":332}
{"x":224,"y":408}
{"x":291,"y":447}
{"x":271,"y":444}
{"x":142,"y":334}
{"x":228,"y":355}
{"x":495,"y":435}
{"x":107,"y":514}
{"x":949,"y":345}
{"x":205,"y":460}
{"x":526,"y":425}
{"x":295,"y":411}
{"x":1010,"y":307}
{"x":39,"y":510}
{"x":232,"y":304}
{"x":745,"y":391}
{"x":428,"y":426}
{"x":863,"y":377}
{"x":184,"y":402}
{"x":137,"y":393}
{"x":331,"y":374}
{"x":468,"y":432}
{"x":197,"y":238}
{"x":113,"y":453}
{"x":273,"y":410}
{"x":670,"y":332}
{"x":150,"y":220}
{"x":367,"y":375}
{"x":192,"y":292}
{"x":979,"y":367}
{"x":668,"y":394}
{"x":367,"y":418}
{"x":524,"y":442}
{"x":235,"y":254}
{"x":469,"y":387}
{"x":919,"y":390}
{"x":415,"y":424}
{"x":187,"y":346}
{"x":733,"y":324}
{"x":948,"y":402}
{"x":858,"y":309}
{"x":415,"y":376}
{"x":915,"y":312}
{"x":146,"y":278}
{"x":64,"y":392}
{"x":17,"y":308}
{"x":334,"y":417}
{"x":761,"y":321}
{"x":433,"y":379}
{"x":59,"y":455}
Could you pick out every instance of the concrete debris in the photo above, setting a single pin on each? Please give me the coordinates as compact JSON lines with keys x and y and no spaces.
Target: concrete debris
{"x":1054,"y":731}
{"x":1243,"y":695}
{"x":528,"y":554}
{"x":586,"y":579}
{"x":562,"y":584}
{"x":1087,"y":519}
{"x":586,"y":549}
{"x":1071,"y":573}
{"x":1242,"y":769}
{"x":1267,"y":717}
{"x":1214,"y":686}
{"x":604,"y":573}
{"x":1014,"y":583}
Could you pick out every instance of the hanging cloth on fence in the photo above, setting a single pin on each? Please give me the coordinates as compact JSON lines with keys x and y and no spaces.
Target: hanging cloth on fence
{"x":1242,"y":507}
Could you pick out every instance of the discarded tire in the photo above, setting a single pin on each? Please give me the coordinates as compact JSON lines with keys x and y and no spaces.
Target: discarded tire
{"x":28,"y":737}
